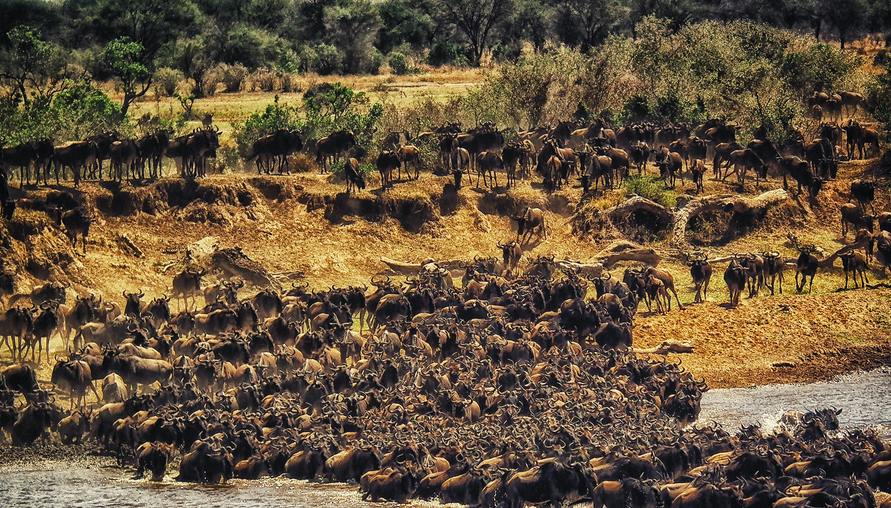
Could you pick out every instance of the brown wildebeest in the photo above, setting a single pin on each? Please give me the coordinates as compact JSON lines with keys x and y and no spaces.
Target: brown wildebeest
{"x":386,"y":162}
{"x":742,"y":161}
{"x":488,"y":162}
{"x":856,"y":217}
{"x":697,"y":169}
{"x":670,"y":165}
{"x":355,"y":179}
{"x":531,"y":221}
{"x":272,"y":150}
{"x":409,"y":154}
{"x":854,"y":263}
{"x":668,"y":280}
{"x":332,"y":146}
{"x":722,"y":153}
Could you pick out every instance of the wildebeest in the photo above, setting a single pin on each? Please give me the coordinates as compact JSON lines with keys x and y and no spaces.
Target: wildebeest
{"x":332,"y":146}
{"x":806,"y":266}
{"x":353,"y":175}
{"x":735,"y":278}
{"x":123,"y":155}
{"x":76,"y":222}
{"x":854,"y":216}
{"x":77,"y":156}
{"x":701,"y":272}
{"x":667,"y":279}
{"x":697,"y":170}
{"x":774,"y":264}
{"x":488,"y":163}
{"x":800,"y":171}
{"x":511,"y":253}
{"x":864,"y":193}
{"x":531,"y":221}
{"x":742,"y":161}
{"x":187,"y":284}
{"x":386,"y":162}
{"x":73,"y":375}
{"x":409,"y":154}
{"x":854,"y":263}
{"x":670,"y":165}
{"x":272,"y":150}
{"x":151,"y":151}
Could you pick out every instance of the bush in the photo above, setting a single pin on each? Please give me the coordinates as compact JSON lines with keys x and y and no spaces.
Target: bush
{"x":375,"y":61}
{"x":878,"y":96}
{"x":275,"y":116}
{"x":211,"y":79}
{"x":651,"y":188}
{"x":290,"y":82}
{"x":400,"y":64}
{"x":166,"y":80}
{"x":265,"y":80}
{"x":444,"y":52}
{"x":329,"y":59}
{"x":233,"y":77}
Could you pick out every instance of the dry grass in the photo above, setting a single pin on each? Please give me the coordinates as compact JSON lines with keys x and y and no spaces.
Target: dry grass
{"x":230,"y":108}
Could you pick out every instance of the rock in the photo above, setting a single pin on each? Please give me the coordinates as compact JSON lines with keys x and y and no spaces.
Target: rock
{"x":127,"y":245}
{"x":234,"y":263}
{"x":202,"y":250}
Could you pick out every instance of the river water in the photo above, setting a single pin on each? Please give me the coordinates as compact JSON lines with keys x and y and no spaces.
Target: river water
{"x":864,"y":398}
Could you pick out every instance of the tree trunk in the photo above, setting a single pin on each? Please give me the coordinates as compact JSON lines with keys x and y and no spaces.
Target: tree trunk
{"x":738,"y":204}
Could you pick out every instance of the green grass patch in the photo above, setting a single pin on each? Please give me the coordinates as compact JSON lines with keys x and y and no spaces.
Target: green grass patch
{"x":651,"y":188}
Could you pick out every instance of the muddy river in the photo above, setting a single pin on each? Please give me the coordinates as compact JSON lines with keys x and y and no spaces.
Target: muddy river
{"x":864,"y":399}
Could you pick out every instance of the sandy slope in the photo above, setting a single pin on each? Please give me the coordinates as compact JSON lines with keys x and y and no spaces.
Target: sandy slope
{"x":819,"y":334}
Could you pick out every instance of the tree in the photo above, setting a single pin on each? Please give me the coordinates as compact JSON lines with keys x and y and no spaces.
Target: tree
{"x":190,"y":55}
{"x":125,"y":61}
{"x":475,"y":19}
{"x":153,"y":24}
{"x":353,"y":27}
{"x":847,"y":16}
{"x":404,"y":22}
{"x":31,"y":64}
{"x":588,"y":22}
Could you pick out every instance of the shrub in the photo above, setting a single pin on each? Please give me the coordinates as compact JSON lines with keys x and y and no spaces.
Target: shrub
{"x":275,"y":116}
{"x":211,"y":79}
{"x":878,"y":97}
{"x":375,"y":61}
{"x":651,"y":188}
{"x":265,"y":80}
{"x":290,"y":82}
{"x":233,"y":77}
{"x":400,"y":64}
{"x":329,"y":59}
{"x":166,"y":80}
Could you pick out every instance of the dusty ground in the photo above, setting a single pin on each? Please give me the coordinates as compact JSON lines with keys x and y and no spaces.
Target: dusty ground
{"x":285,"y":224}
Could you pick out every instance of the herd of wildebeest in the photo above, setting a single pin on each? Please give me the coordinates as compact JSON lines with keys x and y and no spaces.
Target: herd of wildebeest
{"x":500,"y":391}
{"x":517,"y":386}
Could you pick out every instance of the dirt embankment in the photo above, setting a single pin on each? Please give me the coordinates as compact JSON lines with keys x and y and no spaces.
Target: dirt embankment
{"x":303,"y":226}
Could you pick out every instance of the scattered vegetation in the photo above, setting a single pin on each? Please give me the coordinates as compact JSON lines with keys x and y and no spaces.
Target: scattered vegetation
{"x":652,"y":188}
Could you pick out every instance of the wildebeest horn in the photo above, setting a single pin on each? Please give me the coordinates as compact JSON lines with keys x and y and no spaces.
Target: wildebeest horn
{"x":124,"y":293}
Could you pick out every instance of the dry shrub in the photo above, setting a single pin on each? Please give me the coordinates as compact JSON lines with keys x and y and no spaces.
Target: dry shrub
{"x":265,"y":80}
{"x":291,"y":83}
{"x":211,"y":80}
{"x":301,"y":163}
{"x":233,"y":77}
